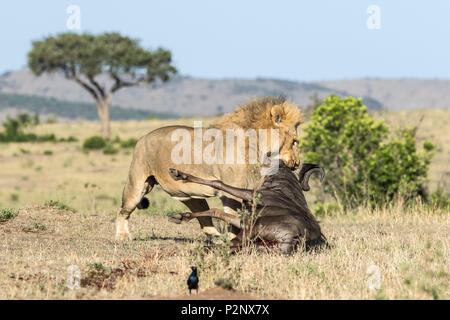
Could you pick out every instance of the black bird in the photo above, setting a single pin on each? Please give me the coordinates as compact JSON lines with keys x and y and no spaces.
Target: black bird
{"x":192,"y":281}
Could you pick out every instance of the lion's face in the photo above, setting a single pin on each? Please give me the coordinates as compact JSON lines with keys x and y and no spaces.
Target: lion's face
{"x":287,"y":120}
{"x":289,"y":152}
{"x":270,"y":113}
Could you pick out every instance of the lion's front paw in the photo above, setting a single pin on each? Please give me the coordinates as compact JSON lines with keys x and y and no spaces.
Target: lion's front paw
{"x":123,"y":236}
{"x":122,"y":231}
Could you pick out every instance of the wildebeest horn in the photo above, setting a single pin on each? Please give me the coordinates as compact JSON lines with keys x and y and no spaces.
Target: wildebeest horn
{"x":307,"y":169}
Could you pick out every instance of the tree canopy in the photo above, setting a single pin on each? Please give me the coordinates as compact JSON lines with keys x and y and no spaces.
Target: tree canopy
{"x":83,"y":57}
{"x":88,"y":55}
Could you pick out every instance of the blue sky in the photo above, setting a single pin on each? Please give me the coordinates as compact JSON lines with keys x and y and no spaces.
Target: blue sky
{"x":292,"y":39}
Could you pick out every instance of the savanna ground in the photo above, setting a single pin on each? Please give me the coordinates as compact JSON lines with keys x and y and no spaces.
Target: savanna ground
{"x":66,"y":201}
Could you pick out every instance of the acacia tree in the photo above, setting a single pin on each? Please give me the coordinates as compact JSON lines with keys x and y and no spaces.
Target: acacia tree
{"x":84,"y":57}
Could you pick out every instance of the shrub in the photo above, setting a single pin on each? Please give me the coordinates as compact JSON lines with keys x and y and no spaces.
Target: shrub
{"x":440,"y":199}
{"x":128,"y":144}
{"x":35,"y":227}
{"x":14,"y":130}
{"x":43,"y":138}
{"x":69,"y":139}
{"x":59,"y":206}
{"x":7,"y":214}
{"x":363,"y":165}
{"x":108,"y":146}
{"x":48,"y":152}
{"x":94,"y":143}
{"x":98,"y":267}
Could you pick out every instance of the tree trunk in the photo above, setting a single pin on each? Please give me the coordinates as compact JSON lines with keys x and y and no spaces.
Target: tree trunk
{"x":103,"y":114}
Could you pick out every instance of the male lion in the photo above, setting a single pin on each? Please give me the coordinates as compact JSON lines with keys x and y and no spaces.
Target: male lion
{"x":153,"y":156}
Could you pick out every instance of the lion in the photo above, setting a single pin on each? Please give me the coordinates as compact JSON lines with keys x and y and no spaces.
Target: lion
{"x":154,"y":155}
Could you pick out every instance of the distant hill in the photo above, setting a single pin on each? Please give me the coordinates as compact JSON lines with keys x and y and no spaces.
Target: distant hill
{"x":14,"y":103}
{"x":398,"y":94}
{"x":188,"y":96}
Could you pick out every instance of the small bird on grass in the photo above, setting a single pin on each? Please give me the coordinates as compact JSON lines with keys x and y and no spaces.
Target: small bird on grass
{"x":192,"y":281}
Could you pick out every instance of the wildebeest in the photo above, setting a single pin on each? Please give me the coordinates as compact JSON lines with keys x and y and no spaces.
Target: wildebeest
{"x":282,"y":218}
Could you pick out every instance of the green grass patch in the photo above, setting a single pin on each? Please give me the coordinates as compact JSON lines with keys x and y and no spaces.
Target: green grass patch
{"x":128,"y":144}
{"x":59,"y":205}
{"x":94,"y":143}
{"x":7,"y":214}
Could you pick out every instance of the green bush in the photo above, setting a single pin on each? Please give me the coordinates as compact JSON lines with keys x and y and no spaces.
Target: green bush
{"x":7,"y":214}
{"x":128,"y":144}
{"x":69,"y":139}
{"x":13,"y":130}
{"x":440,"y":199}
{"x":109,"y":147}
{"x":59,"y":206}
{"x":365,"y":165}
{"x":94,"y":143}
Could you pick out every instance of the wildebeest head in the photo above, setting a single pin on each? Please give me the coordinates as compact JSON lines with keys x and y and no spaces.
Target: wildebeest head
{"x":272,"y":162}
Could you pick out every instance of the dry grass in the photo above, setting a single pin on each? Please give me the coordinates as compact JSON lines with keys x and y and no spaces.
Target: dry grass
{"x":411,"y":247}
